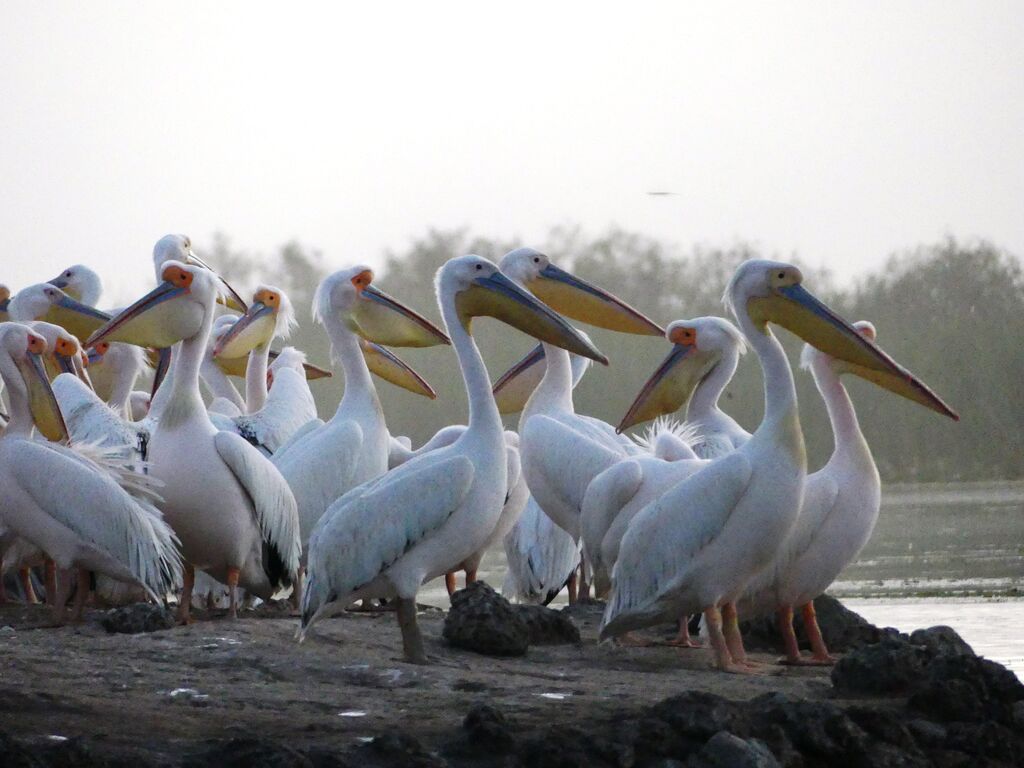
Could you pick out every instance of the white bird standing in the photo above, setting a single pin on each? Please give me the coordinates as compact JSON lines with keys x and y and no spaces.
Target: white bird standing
{"x":325,"y":460}
{"x":542,"y":557}
{"x":839,"y":511}
{"x":561,"y":450}
{"x":385,"y":538}
{"x":231,"y":508}
{"x":704,"y":356}
{"x":64,"y":503}
{"x":696,"y":548}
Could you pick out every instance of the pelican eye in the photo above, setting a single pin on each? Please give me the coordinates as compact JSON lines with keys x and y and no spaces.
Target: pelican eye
{"x":479,"y":266}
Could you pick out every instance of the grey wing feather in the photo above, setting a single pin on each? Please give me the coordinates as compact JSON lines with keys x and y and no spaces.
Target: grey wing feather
{"x":371,"y":526}
{"x":667,"y":534}
{"x":273,"y":503}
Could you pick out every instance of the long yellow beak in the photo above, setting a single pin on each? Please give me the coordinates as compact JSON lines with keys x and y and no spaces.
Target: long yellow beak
{"x":498,"y":297}
{"x":80,"y":320}
{"x":388,"y":366}
{"x":253,"y":329}
{"x":577,"y":299}
{"x":236,"y":366}
{"x":42,"y":402}
{"x":5,"y":300}
{"x":156,"y":320}
{"x":513,"y":389}
{"x":797,"y":310}
{"x":381,"y":319}
{"x":231,"y":299}
{"x":671,"y":385}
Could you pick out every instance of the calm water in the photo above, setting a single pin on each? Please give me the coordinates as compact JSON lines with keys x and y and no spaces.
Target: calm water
{"x":940,"y":554}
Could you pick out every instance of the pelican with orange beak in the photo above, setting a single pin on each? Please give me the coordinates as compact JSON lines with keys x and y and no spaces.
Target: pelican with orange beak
{"x":323,"y":461}
{"x":385,"y":538}
{"x":231,"y":508}
{"x":697,"y":546}
{"x":105,"y":530}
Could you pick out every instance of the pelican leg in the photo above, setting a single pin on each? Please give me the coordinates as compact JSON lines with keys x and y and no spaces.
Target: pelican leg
{"x":449,"y":582}
{"x":731,"y":630}
{"x":3,"y":591}
{"x":682,"y":638}
{"x":819,"y":651}
{"x":25,"y":575}
{"x":61,"y":591}
{"x":50,"y":575}
{"x":723,"y":658}
{"x":571,"y":587}
{"x":470,"y":576}
{"x":296,"y":597}
{"x":81,"y":592}
{"x":784,"y":619}
{"x":584,"y":587}
{"x":185,"y":603}
{"x":233,"y":574}
{"x":412,"y":639}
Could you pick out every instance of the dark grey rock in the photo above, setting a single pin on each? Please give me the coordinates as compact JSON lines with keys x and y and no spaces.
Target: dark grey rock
{"x":482,"y":621}
{"x":927,"y":734}
{"x":14,"y":754}
{"x":137,"y":618}
{"x":724,"y":750}
{"x":548,"y":627}
{"x":969,"y":689}
{"x":701,"y":715}
{"x":990,"y":740}
{"x":888,"y":667}
{"x":942,"y":641}
{"x":819,"y":730}
{"x":886,"y":725}
{"x":487,"y":729}
{"x":249,"y":753}
{"x":398,"y":749}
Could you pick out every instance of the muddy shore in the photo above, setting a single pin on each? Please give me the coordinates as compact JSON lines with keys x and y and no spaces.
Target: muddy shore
{"x":244,"y":693}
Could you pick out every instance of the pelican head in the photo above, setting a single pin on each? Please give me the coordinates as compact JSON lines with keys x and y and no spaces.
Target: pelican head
{"x":80,"y":283}
{"x":698,"y":346}
{"x":572,"y":296}
{"x":44,"y":301}
{"x":480,"y":288}
{"x":171,"y":312}
{"x":349,"y":295}
{"x":63,"y":351}
{"x":270,"y":315}
{"x":25,"y":348}
{"x":773,"y":292}
{"x":179,"y":248}
{"x":513,"y":388}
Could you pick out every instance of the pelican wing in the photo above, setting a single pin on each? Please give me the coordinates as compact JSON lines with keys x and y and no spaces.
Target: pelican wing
{"x":660,"y":544}
{"x":564,"y":459}
{"x":606,"y":495}
{"x":363,"y":533}
{"x":273,"y":504}
{"x":306,"y":429}
{"x":87,"y":500}
{"x":541,"y":557}
{"x":92,"y":421}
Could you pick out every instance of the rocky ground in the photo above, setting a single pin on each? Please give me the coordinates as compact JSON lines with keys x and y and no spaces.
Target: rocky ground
{"x":244,"y":694}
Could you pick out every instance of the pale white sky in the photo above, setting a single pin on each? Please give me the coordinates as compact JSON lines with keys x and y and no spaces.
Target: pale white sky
{"x":838,"y":131}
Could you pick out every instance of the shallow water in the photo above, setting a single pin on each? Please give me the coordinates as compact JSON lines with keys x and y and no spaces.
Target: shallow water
{"x":940,"y":554}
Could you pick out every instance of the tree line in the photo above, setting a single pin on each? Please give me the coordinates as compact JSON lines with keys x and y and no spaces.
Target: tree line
{"x":952,"y":312}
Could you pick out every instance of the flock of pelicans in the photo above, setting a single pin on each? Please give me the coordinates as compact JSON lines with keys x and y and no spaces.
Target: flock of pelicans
{"x":160,"y":492}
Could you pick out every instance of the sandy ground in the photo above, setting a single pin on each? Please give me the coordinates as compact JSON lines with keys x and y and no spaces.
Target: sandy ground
{"x":221,"y":679}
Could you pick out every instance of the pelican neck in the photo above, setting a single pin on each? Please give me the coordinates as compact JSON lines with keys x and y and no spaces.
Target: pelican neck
{"x":360,"y":394}
{"x":704,"y":401}
{"x":554,"y":393}
{"x":848,"y":440}
{"x":483,"y":411}
{"x":256,"y":378}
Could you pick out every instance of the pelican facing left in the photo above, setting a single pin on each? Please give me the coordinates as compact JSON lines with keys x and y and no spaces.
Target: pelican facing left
{"x":232,"y":510}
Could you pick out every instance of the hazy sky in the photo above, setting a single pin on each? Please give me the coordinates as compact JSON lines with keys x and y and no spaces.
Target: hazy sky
{"x":842,"y":132}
